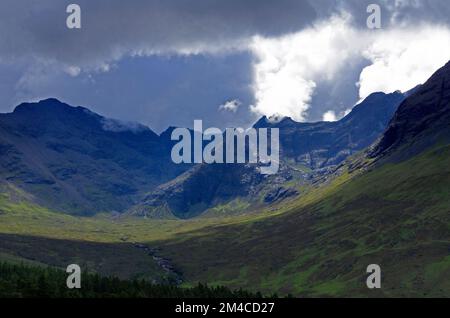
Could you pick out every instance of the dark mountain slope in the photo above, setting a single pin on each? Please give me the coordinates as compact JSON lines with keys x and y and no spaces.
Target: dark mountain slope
{"x":76,"y":161}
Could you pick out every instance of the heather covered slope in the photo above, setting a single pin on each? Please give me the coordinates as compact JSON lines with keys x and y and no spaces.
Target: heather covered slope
{"x":397,"y":216}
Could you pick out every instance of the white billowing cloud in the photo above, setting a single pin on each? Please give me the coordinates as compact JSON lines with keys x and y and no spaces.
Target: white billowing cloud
{"x":231,"y":106}
{"x":287,"y":69}
{"x":402,"y":59}
{"x":329,"y":116}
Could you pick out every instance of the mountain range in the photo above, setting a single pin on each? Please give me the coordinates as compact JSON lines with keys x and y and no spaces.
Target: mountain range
{"x":75,"y":161}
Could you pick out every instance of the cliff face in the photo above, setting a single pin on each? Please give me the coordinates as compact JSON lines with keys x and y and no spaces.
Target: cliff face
{"x":421,"y":120}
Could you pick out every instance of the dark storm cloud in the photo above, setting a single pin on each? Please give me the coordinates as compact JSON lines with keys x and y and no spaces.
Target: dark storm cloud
{"x":112,"y":28}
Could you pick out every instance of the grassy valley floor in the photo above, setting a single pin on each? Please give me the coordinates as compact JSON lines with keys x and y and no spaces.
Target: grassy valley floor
{"x":396,"y":215}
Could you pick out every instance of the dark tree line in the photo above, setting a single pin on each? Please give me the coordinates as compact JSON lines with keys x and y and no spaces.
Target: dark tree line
{"x":23,"y":281}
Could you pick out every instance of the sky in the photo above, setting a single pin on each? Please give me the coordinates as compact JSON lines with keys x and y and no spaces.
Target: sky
{"x":227,"y":62}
